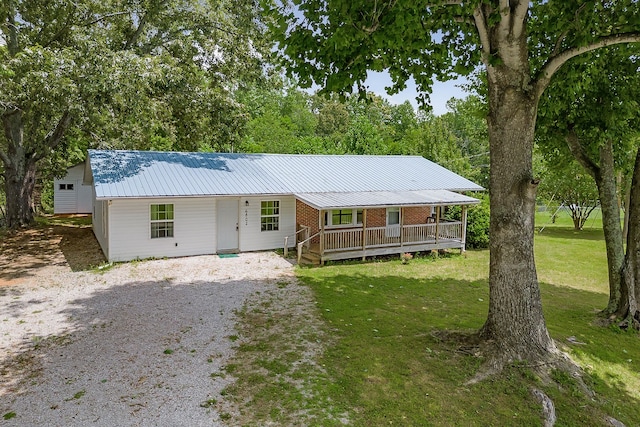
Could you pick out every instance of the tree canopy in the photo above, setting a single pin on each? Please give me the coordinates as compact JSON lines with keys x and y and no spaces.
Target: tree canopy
{"x":594,"y":116}
{"x":521,"y":45}
{"x":119,"y":74}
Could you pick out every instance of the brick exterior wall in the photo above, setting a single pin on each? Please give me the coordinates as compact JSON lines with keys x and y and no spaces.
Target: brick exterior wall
{"x":416,"y":215}
{"x":411,"y":215}
{"x":306,"y":215}
{"x":377,"y":217}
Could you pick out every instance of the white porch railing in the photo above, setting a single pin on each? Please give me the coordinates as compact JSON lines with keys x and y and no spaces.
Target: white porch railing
{"x":337,"y":240}
{"x":450,"y":230}
{"x":375,"y":237}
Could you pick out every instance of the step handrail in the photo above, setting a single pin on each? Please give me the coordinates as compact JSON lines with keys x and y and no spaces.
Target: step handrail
{"x":286,"y":238}
{"x":300,"y":244}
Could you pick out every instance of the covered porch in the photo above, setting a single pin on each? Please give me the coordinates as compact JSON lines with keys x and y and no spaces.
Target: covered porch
{"x":334,"y":226}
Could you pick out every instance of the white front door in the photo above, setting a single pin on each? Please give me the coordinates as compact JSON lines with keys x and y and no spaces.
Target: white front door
{"x":228,"y":225}
{"x":393,"y":222}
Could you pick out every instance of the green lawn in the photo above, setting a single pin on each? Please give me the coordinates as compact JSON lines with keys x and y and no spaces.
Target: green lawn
{"x":388,"y":361}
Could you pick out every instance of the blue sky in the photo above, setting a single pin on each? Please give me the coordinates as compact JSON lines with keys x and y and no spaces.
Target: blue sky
{"x":442,"y":91}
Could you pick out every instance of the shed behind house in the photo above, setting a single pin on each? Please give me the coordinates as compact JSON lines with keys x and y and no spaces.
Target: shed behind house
{"x":70,"y":195}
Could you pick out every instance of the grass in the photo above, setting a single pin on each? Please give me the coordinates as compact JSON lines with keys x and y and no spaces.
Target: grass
{"x":387,"y":361}
{"x":66,"y":220}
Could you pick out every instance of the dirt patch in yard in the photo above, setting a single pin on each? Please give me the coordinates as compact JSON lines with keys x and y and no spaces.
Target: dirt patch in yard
{"x":25,"y":252}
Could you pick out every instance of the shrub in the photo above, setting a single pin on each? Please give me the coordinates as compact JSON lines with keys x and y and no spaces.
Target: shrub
{"x":477,"y":222}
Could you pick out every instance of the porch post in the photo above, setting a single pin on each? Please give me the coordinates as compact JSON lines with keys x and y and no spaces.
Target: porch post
{"x":364,"y":234}
{"x":464,"y":229}
{"x":321,"y":233}
{"x":401,"y":225}
{"x":437,"y":224}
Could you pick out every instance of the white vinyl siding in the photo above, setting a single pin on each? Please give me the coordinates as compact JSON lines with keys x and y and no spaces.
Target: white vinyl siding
{"x":195,"y":226}
{"x":251,"y":236}
{"x":194,"y":229}
{"x":105,"y":219}
{"x":100,"y":219}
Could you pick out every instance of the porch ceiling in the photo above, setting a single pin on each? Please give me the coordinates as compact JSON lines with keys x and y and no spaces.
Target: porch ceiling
{"x":377,"y":199}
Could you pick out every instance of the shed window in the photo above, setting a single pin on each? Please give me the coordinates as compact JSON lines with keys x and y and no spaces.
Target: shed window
{"x":269,"y":215}
{"x":66,"y":187}
{"x":161,"y":221}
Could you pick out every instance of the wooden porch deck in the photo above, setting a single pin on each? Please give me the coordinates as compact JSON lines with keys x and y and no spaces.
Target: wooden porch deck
{"x":360,"y":243}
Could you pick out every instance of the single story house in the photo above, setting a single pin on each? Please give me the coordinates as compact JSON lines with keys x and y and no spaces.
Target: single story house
{"x":169,"y":204}
{"x":70,"y":194}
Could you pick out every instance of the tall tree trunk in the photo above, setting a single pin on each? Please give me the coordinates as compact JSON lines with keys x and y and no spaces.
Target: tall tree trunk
{"x":20,"y":164}
{"x":605,"y":178}
{"x":631,"y":270}
{"x":20,"y":178}
{"x":19,"y":172}
{"x":627,"y":202}
{"x":515,"y":323}
{"x":608,"y":193}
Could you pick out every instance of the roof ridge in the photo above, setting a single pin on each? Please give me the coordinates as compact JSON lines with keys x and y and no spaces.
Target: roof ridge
{"x":259,"y":154}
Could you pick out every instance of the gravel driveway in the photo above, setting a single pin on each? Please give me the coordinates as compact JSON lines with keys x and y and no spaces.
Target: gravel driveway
{"x":139,"y":344}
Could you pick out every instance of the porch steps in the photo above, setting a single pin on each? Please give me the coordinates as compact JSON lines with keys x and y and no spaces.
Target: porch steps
{"x":309,"y":258}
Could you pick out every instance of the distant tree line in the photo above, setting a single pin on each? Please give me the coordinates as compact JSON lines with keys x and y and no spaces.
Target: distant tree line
{"x":284,"y":119}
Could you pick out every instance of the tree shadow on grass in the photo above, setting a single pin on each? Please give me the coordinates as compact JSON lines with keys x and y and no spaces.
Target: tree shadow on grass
{"x":24,"y":251}
{"x":391,"y":327}
{"x":80,"y":247}
{"x":607,"y":354}
{"x":571,"y":233}
{"x":143,"y":353}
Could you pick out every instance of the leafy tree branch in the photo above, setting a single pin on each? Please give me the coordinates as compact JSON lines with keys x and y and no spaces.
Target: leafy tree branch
{"x":555,"y":62}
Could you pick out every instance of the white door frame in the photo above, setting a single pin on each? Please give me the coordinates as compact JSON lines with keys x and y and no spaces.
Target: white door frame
{"x":393,"y":229}
{"x":228,"y":225}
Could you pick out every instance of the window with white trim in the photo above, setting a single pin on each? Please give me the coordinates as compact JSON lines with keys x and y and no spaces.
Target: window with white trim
{"x":343,"y":217}
{"x":393,"y":216}
{"x":66,"y":187}
{"x":161,"y":221}
{"x":269,"y":215}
